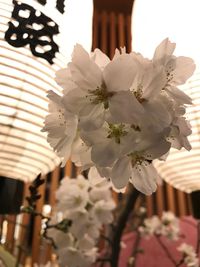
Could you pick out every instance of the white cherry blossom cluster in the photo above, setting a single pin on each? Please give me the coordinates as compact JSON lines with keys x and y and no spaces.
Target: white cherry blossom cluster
{"x":83,"y":207}
{"x":167,"y":225}
{"x":120,"y":115}
{"x":189,"y":255}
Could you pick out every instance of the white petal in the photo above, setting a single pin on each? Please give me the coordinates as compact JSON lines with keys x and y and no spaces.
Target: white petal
{"x":157,"y":115}
{"x":75,"y":100}
{"x":125,"y":108}
{"x":85,"y":72}
{"x":104,"y":171}
{"x":155,"y":81}
{"x":159,"y":148}
{"x":184,"y":126}
{"x":164,"y":50}
{"x":100,"y":58}
{"x":144,"y":179}
{"x":185,"y":67}
{"x":119,"y":73}
{"x":93,"y":137}
{"x":129,"y":142}
{"x":64,"y":79}
{"x":104,"y":154}
{"x":178,"y":95}
{"x":91,"y":117}
{"x":121,"y":173}
{"x":185,"y":143}
{"x":62,"y":147}
{"x":55,"y":98}
{"x":86,"y":243}
{"x":95,"y":178}
{"x":81,"y":154}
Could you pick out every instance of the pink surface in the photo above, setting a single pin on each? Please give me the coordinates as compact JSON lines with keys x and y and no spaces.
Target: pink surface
{"x":153,"y":255}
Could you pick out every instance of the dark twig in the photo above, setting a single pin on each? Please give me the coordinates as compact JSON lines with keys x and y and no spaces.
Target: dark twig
{"x":103,"y":261}
{"x":165,"y":250}
{"x":180,"y":262}
{"x":135,"y":250}
{"x":198,"y":238}
{"x":109,"y":241}
{"x":131,"y":198}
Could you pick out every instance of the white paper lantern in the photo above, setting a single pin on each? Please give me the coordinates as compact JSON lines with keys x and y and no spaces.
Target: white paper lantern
{"x":25,"y":80}
{"x":179,"y":20}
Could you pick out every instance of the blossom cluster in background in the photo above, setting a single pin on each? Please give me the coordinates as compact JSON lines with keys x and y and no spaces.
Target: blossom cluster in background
{"x":190,"y":257}
{"x":167,"y":225}
{"x":119,"y":115}
{"x":83,"y":207}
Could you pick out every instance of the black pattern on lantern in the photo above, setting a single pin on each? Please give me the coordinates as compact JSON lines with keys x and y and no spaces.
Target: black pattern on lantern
{"x":32,"y":28}
{"x":43,"y":2}
{"x":59,"y":4}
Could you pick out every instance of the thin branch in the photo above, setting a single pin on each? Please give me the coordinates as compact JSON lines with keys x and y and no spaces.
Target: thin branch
{"x":180,"y":262}
{"x":165,"y":250}
{"x":135,"y":249}
{"x":107,"y":239}
{"x":103,"y":261}
{"x":121,"y":223}
{"x":198,"y":238}
{"x":189,"y":222}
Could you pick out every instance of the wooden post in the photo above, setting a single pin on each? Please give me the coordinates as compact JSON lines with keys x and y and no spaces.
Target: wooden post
{"x":37,"y":226}
{"x":104,"y":31}
{"x":171,"y":199}
{"x":159,"y":200}
{"x":11,"y":219}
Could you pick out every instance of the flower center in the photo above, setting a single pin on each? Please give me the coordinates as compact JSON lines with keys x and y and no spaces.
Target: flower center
{"x":138,"y":92}
{"x":169,"y":73}
{"x":116,"y":131}
{"x":169,"y":76}
{"x":100,"y":95}
{"x":137,"y":160}
{"x":61,"y":118}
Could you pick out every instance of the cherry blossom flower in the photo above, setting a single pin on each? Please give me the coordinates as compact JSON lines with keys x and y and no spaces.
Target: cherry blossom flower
{"x":98,"y":87}
{"x":118,"y":116}
{"x":189,"y":255}
{"x":76,"y":232}
{"x":170,"y":226}
{"x":167,"y":226}
{"x":61,"y":127}
{"x":151,"y":226}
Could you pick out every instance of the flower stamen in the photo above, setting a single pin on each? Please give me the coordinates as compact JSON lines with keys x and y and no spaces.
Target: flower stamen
{"x":100,"y":95}
{"x":116,"y":132}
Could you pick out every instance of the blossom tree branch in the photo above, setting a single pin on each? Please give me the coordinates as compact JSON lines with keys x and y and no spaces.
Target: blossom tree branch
{"x":121,"y":223}
{"x":132,"y":259}
{"x":166,"y":250}
{"x":198,"y":238}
